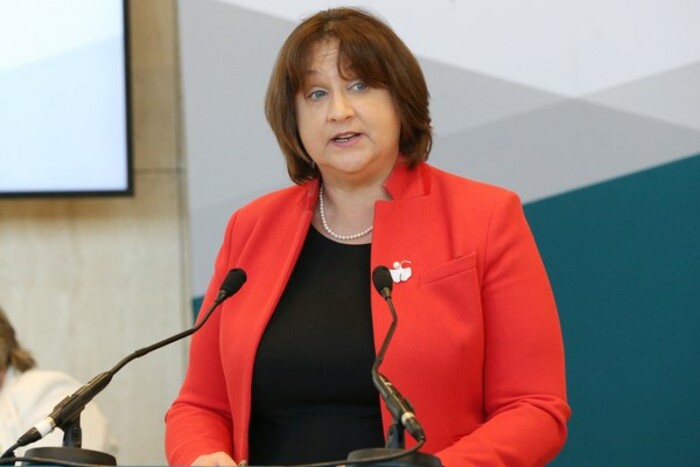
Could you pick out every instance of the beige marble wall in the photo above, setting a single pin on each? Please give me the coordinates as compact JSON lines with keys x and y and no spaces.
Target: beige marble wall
{"x":87,"y":281}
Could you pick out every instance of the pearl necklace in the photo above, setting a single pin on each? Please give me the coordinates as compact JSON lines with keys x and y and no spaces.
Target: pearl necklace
{"x":327,"y":228}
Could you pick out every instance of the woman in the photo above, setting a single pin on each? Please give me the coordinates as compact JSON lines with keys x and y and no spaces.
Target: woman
{"x":28,"y":395}
{"x":281,"y":374}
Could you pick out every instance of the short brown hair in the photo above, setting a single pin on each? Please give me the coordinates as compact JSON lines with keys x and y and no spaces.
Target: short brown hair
{"x":375,"y":54}
{"x":11,"y":353}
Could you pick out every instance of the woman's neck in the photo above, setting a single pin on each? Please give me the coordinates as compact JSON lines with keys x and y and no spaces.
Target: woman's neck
{"x":346,"y":214}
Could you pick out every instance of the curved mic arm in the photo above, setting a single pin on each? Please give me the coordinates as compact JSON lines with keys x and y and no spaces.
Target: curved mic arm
{"x":387,"y":340}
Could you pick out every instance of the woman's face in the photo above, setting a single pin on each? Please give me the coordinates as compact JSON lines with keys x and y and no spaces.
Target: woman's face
{"x":350,"y":130}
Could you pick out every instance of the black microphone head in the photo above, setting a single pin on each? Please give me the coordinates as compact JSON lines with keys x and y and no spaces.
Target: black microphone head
{"x":232,"y":283}
{"x":381,"y":278}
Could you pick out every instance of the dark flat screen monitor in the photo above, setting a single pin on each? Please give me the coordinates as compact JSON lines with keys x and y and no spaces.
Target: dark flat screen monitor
{"x":64,"y":113}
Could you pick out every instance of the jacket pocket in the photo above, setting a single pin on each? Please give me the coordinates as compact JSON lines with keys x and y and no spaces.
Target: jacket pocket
{"x":448,"y":269}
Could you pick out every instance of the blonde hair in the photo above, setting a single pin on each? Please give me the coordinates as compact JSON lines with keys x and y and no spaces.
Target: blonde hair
{"x":11,"y":352}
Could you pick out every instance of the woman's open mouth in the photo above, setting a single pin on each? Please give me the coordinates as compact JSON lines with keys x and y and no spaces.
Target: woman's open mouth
{"x":346,"y":137}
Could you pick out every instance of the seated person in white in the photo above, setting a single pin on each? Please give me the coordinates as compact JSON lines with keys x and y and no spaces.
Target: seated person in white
{"x":28,"y":395}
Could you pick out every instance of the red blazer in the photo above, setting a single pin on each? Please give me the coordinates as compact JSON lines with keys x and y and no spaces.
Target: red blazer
{"x":478,"y":347}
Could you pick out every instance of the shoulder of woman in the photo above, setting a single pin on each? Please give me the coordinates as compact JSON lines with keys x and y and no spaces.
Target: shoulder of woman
{"x":467,"y":188}
{"x":284,"y":197}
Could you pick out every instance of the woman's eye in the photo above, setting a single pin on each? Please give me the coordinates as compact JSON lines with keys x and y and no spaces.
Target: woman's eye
{"x":316,"y":95}
{"x":359,"y":86}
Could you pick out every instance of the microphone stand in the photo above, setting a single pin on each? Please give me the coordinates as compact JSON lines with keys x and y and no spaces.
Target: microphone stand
{"x":396,"y":403}
{"x":72,"y":450}
{"x":72,"y":433}
{"x":66,"y":414}
{"x":395,"y":435}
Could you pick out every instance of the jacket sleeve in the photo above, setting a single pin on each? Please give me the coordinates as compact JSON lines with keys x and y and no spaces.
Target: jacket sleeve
{"x":524,"y":377}
{"x":199,"y":420}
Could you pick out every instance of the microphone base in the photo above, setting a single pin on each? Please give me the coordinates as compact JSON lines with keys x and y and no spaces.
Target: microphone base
{"x":66,"y":454}
{"x":414,"y":459}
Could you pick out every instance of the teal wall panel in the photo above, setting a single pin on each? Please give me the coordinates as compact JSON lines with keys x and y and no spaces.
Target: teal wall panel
{"x":196,"y":305}
{"x":624,"y":260}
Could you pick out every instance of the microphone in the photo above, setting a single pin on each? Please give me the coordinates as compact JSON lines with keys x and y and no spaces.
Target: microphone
{"x":232,"y":283}
{"x":381,"y":278}
{"x":400,"y":408}
{"x":66,"y":411}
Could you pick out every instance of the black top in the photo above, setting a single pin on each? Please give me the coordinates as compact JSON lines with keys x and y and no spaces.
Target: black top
{"x":313,"y":397}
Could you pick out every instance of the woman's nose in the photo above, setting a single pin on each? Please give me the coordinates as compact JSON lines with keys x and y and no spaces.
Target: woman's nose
{"x":341,"y":107}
